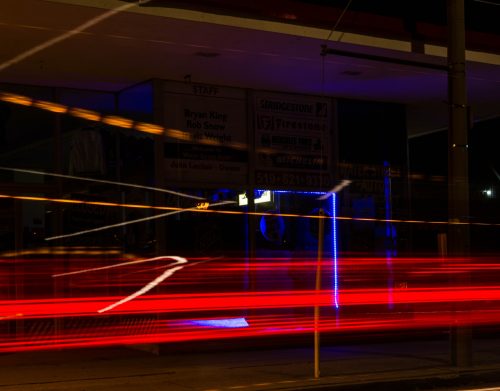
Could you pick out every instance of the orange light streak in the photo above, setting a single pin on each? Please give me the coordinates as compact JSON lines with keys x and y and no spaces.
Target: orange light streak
{"x":237,"y":212}
{"x":208,"y":141}
{"x":82,"y":202}
{"x":85,"y":114}
{"x":149,"y":128}
{"x":58,"y":251}
{"x":178,"y":134}
{"x":121,"y":122}
{"x":16,"y":99}
{"x":52,"y":107}
{"x":90,"y":115}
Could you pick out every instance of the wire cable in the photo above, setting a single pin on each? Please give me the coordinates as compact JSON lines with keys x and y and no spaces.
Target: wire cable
{"x":334,"y":28}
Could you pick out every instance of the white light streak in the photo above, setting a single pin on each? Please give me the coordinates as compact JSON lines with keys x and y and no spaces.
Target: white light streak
{"x":490,"y":3}
{"x":336,"y":189}
{"x":124,"y":223}
{"x":128,"y":263}
{"x":162,"y":277}
{"x":180,"y":261}
{"x":95,"y":269}
{"x":101,"y":181}
{"x":66,"y":35}
{"x":179,"y":264}
{"x":496,"y":173}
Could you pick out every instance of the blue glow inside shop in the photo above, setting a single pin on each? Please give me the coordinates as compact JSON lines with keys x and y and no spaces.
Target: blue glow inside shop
{"x":263,"y":164}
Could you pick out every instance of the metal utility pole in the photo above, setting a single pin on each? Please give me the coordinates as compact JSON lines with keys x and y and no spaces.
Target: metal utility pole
{"x":321,"y":234}
{"x":458,"y":181}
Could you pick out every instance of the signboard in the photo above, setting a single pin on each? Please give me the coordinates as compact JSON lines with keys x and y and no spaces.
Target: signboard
{"x":264,"y":197}
{"x":210,"y":113}
{"x":292,"y":141}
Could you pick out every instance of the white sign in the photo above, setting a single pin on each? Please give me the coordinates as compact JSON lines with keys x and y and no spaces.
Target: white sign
{"x":216,"y":116}
{"x":265,"y":197}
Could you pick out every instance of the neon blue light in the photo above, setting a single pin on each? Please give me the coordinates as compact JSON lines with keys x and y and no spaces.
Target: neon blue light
{"x":299,"y":192}
{"x":334,"y":236}
{"x":334,"y":251}
{"x":222,"y":323}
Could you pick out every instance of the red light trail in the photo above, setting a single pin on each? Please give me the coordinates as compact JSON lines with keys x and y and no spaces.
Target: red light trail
{"x":175,"y":303}
{"x":281,"y":300}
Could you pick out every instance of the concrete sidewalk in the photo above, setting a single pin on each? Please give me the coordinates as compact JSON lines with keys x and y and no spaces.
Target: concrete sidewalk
{"x":395,"y":366}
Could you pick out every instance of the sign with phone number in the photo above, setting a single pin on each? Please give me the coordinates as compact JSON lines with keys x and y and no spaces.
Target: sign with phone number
{"x":292,"y":180}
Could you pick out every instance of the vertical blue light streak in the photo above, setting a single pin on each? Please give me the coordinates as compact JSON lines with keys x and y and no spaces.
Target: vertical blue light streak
{"x":334,"y":237}
{"x":334,"y":251}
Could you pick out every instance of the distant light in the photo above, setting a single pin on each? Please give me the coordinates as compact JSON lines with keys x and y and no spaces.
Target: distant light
{"x":488,"y":193}
{"x":265,"y":197}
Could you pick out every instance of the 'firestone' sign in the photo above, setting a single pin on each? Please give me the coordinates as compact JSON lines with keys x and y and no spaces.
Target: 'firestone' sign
{"x":292,"y":140}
